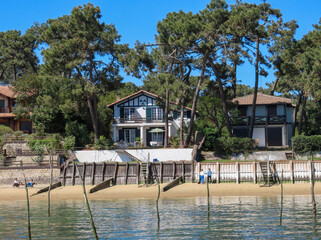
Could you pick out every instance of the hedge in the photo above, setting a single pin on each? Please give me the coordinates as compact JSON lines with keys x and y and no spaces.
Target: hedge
{"x":230,"y":145}
{"x":306,"y":144}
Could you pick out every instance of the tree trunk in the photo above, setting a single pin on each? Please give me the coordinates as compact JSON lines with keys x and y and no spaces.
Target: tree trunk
{"x":166,"y":117}
{"x":195,"y":98}
{"x":222,"y":95}
{"x":274,"y":86}
{"x":302,"y":114}
{"x":255,"y":87}
{"x":296,"y":109}
{"x":92,"y":105}
{"x":234,"y":79}
{"x":181,"y":125}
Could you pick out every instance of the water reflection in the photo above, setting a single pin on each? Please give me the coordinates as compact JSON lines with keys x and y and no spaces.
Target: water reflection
{"x":230,"y":217}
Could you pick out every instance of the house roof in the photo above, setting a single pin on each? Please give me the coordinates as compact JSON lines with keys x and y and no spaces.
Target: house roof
{"x":137,"y":93}
{"x":261,"y":99}
{"x":7,"y":91}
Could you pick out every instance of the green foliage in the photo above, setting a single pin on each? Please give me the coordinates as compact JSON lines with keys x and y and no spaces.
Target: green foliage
{"x":79,"y":131}
{"x":68,"y":143}
{"x":229,"y":145}
{"x":306,"y":144}
{"x":211,"y":134}
{"x":5,"y":130}
{"x":102,"y":143}
{"x":174,"y":141}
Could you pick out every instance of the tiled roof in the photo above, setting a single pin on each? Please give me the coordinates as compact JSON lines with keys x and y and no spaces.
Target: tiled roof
{"x":7,"y":91}
{"x":261,"y":100}
{"x":7,"y":115}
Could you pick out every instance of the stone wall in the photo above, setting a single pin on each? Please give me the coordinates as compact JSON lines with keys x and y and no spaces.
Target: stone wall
{"x":12,"y":148}
{"x":39,"y":175}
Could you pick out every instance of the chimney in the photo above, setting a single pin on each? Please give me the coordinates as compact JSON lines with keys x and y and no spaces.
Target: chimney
{"x":117,"y":97}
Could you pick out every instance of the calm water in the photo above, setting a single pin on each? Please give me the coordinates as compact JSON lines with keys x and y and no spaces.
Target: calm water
{"x":230,"y":218}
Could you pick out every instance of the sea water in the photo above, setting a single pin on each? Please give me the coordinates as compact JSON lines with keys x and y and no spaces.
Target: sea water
{"x":229,"y":218}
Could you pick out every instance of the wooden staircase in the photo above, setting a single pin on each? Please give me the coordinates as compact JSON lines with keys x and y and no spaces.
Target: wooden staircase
{"x":146,"y":172}
{"x":124,"y":152}
{"x":269,"y":179}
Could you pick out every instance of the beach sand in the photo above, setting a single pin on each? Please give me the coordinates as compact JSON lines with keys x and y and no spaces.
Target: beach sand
{"x":182,"y":191}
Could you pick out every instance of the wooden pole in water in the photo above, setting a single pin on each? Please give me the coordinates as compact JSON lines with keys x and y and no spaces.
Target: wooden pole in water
{"x":314,"y":205}
{"x":28,"y":207}
{"x":281,"y":212}
{"x":50,"y":181}
{"x":158,"y":195}
{"x":208,"y":198}
{"x":87,"y":205}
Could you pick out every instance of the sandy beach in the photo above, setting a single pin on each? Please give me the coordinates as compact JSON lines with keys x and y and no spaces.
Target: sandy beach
{"x":182,"y":191}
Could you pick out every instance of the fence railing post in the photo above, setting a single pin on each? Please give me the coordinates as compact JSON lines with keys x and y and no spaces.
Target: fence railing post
{"x":291,"y":171}
{"x":218,"y":172}
{"x":254,"y":173}
{"x":237,"y":165}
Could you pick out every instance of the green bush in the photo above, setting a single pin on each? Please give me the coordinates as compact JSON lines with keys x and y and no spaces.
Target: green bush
{"x":211,"y":135}
{"x":229,"y":145}
{"x":69,"y":143}
{"x":306,"y":144}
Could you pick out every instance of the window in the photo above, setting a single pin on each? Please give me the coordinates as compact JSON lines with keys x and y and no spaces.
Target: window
{"x":242,"y":110}
{"x":157,"y":114}
{"x":157,"y":137}
{"x":26,"y":126}
{"x":130,"y":135}
{"x":129,"y":113}
{"x":272,"y":110}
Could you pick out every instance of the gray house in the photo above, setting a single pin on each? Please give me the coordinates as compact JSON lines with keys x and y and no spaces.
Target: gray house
{"x":273,"y":119}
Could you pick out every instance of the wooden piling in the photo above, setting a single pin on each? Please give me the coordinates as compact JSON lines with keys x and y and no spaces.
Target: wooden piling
{"x":254,"y":173}
{"x":174,"y":170}
{"x":28,"y":206}
{"x":93,"y":173}
{"x":161,"y":171}
{"x":87,"y":205}
{"x":115,"y":173}
{"x":126,"y":173}
{"x":50,"y":181}
{"x":183,"y":171}
{"x":237,"y":166}
{"x":314,"y":205}
{"x":281,"y":211}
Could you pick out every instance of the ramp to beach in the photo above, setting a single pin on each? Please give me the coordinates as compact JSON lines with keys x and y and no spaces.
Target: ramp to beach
{"x":46,"y":189}
{"x":173,"y":183}
{"x":103,"y":185}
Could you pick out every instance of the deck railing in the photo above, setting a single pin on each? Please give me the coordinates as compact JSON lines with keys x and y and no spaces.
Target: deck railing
{"x":272,"y":119}
{"x":139,"y":120}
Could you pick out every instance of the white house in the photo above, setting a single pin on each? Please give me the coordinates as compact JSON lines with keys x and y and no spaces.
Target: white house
{"x":139,"y":117}
{"x":273,"y":119}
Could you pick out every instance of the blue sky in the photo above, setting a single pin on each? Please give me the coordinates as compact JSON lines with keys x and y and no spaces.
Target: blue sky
{"x":137,"y":19}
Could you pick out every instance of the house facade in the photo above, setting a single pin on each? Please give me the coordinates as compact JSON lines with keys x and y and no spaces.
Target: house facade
{"x":7,"y":118}
{"x":139,"y":118}
{"x":273,"y":119}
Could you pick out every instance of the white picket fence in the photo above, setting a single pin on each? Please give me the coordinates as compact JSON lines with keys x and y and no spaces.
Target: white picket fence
{"x":238,"y":172}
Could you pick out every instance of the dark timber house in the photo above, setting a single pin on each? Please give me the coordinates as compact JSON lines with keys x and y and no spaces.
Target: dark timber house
{"x":273,"y":119}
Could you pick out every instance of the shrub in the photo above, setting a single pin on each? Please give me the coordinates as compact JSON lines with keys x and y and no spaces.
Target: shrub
{"x":306,"y":144}
{"x":68,"y":143}
{"x":211,"y":135}
{"x":229,"y":145}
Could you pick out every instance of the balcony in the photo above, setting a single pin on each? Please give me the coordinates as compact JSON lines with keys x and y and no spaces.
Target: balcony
{"x":139,"y":120}
{"x":4,"y":110}
{"x":260,"y":120}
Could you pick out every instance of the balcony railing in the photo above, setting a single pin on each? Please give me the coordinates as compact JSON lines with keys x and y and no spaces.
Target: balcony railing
{"x":139,"y":120}
{"x":259,"y":120}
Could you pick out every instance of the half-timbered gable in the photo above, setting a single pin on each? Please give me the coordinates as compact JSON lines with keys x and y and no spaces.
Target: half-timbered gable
{"x":140,"y":118}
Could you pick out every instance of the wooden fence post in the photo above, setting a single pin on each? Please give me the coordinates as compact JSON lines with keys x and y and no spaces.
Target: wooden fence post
{"x":217,"y":172}
{"x":183,"y":171}
{"x":93,"y":173}
{"x":103,"y":171}
{"x":174,"y":170}
{"x":193,"y":171}
{"x":126,"y":173}
{"x":161,"y":172}
{"x":84,"y":172}
{"x":310,"y":170}
{"x":137,"y":173}
{"x":115,"y":173}
{"x":254,"y":173}
{"x":291,"y":171}
{"x":73,"y":174}
{"x":237,"y":165}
